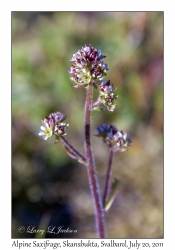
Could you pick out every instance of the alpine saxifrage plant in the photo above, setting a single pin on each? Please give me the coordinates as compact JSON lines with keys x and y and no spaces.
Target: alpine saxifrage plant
{"x":88,"y":71}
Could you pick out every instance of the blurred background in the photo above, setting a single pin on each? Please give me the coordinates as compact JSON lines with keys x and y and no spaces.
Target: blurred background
{"x":48,"y":187}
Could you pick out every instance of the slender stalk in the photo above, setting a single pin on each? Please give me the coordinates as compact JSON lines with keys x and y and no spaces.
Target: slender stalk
{"x":99,"y":210}
{"x":96,"y":103}
{"x":74,"y":153}
{"x":108,"y":175}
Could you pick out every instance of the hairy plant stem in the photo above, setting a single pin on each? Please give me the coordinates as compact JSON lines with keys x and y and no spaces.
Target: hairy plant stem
{"x":107,"y":181}
{"x":99,"y":210}
{"x":74,"y":153}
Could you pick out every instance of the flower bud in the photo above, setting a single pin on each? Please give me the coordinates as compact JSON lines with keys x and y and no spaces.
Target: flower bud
{"x":60,"y":129}
{"x":105,"y":87}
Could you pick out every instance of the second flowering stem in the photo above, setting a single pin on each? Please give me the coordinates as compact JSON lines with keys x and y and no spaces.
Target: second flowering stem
{"x":107,"y":181}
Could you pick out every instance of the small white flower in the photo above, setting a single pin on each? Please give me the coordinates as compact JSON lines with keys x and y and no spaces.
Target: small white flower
{"x":46,"y":131}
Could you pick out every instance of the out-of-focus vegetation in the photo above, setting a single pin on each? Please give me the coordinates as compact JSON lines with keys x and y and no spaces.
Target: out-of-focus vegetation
{"x":49,"y":188}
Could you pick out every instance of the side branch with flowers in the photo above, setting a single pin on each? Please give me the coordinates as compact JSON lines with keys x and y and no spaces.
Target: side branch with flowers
{"x":87,"y":71}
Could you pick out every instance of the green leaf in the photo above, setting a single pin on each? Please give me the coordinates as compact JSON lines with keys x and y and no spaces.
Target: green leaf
{"x":113,"y":194}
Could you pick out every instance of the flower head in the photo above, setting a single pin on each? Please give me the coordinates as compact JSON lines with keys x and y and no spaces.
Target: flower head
{"x":115,"y":139}
{"x":53,"y":125}
{"x":87,"y":65}
{"x":107,"y":100}
{"x":87,"y":54}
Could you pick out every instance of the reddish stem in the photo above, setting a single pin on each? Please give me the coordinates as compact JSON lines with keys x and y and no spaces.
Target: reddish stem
{"x":108,"y":175}
{"x":99,"y":210}
{"x":75,"y":152}
{"x":96,"y":103}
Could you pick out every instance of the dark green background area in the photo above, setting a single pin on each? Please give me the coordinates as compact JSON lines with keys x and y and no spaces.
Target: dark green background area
{"x":48,"y":187}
